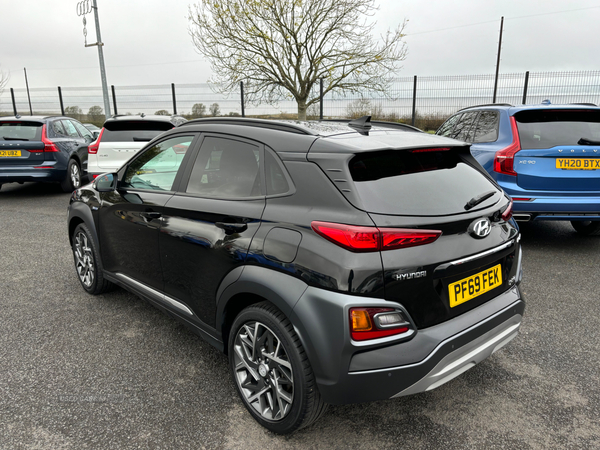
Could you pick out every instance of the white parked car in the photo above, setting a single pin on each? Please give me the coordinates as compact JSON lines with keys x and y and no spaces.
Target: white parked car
{"x":122,"y":136}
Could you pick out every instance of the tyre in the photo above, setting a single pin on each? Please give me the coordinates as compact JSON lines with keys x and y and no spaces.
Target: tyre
{"x":73,"y":179}
{"x":87,"y":262}
{"x":586,"y":227}
{"x":271,"y":371}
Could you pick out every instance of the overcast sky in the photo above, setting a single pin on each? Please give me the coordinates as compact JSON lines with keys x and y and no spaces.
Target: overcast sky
{"x":147,"y":41}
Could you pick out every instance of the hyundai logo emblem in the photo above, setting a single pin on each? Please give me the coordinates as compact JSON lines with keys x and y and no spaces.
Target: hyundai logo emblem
{"x":480,"y":228}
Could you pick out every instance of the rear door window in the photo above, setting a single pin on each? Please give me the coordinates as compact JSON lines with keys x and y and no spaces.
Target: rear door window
{"x":25,"y":131}
{"x":70,"y":128}
{"x":463,"y":131}
{"x":58,"y":129}
{"x":133,"y":131}
{"x":550,"y":128}
{"x":418,"y":183}
{"x":83,"y":131}
{"x":226,"y":168}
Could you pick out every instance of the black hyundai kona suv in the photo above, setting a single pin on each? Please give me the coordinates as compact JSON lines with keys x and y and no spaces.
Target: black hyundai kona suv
{"x":333,"y":262}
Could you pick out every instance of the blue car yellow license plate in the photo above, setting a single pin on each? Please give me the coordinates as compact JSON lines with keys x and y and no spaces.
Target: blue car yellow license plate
{"x":578,"y":163}
{"x":475,"y":285}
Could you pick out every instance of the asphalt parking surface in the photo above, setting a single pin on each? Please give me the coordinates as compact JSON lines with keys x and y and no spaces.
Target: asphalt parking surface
{"x":79,"y":372}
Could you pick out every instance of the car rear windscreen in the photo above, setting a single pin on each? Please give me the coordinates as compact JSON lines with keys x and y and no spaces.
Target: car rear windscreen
{"x":549,"y":128}
{"x":25,"y":131}
{"x":132,"y":131}
{"x":418,"y":182}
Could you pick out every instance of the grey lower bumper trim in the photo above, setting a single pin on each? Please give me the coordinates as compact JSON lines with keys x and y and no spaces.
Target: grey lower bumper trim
{"x":467,"y":356}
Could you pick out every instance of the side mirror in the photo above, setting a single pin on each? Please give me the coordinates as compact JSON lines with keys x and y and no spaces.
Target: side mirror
{"x":106,"y":182}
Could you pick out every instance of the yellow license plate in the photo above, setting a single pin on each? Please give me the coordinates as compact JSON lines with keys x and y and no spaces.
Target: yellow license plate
{"x":578,"y":163}
{"x":475,"y":285}
{"x":10,"y":153}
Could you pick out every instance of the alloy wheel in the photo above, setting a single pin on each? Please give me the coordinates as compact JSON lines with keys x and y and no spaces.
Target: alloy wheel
{"x":263,"y":371}
{"x":75,"y":176}
{"x":84,"y":259}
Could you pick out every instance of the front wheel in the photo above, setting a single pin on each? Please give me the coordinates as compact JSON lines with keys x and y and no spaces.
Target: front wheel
{"x":87,"y":262}
{"x":73,"y":179}
{"x":271,"y":370}
{"x":586,"y":227}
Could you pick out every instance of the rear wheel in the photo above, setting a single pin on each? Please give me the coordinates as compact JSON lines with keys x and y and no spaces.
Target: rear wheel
{"x":87,"y":262}
{"x":73,"y":179}
{"x":586,"y":227}
{"x":271,"y":370}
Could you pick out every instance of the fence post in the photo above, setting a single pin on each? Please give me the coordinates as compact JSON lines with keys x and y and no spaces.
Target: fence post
{"x":525,"y":86}
{"x":114,"y":96}
{"x":321,"y":101}
{"x":174,"y":101}
{"x":414,"y":109}
{"x":242,"y":98}
{"x":62,"y":108}
{"x":12,"y":94}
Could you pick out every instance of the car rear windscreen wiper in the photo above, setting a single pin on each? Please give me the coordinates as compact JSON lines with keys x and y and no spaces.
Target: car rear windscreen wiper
{"x":586,"y":141}
{"x":478,"y":199}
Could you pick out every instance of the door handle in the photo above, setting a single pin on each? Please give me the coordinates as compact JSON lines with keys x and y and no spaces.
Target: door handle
{"x":150,"y":215}
{"x":231,"y":228}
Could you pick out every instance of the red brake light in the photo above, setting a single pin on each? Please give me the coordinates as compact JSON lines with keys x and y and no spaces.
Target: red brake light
{"x":503,"y":160}
{"x":93,"y":147}
{"x":49,"y":146}
{"x":507,"y":214}
{"x":373,"y":323}
{"x":372,"y":239}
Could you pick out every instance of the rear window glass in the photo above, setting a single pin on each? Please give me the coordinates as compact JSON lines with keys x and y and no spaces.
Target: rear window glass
{"x":549,"y":128}
{"x":29,"y":131}
{"x":132,"y":131}
{"x":417,"y":183}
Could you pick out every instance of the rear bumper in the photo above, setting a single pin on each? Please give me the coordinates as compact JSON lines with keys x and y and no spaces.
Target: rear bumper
{"x":352,"y":372}
{"x":552,"y":205}
{"x":44,"y":172}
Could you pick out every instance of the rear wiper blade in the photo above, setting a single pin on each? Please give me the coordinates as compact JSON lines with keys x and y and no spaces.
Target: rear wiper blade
{"x":586,"y":141}
{"x":14,"y":139}
{"x":478,"y":199}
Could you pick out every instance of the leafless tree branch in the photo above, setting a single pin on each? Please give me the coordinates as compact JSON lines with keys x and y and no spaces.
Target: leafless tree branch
{"x":281,"y":48}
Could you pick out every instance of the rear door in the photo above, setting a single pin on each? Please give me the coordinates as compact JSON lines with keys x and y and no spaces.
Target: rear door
{"x":434,"y":189}
{"x":20,"y":144}
{"x":122,"y":139}
{"x":560,"y":150}
{"x":209,"y":225}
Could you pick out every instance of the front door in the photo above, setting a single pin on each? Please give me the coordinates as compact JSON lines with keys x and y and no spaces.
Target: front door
{"x":130,"y":217}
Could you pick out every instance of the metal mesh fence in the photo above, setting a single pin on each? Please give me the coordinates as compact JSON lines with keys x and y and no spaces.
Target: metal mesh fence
{"x":436,"y":98}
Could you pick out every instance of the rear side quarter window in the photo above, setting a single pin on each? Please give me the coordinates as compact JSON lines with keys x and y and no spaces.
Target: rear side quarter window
{"x":486,"y":128}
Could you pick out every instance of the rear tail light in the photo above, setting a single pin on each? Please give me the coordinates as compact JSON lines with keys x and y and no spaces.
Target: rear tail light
{"x":374,"y":323}
{"x":372,"y":239}
{"x":507,"y":213}
{"x":504,"y":159}
{"x":93,"y":147}
{"x":49,"y":146}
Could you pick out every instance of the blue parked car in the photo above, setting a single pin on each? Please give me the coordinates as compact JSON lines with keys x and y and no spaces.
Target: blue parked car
{"x":546,"y":157}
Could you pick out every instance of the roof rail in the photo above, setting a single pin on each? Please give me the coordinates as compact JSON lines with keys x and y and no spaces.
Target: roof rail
{"x":262,"y":123}
{"x":584,"y":104}
{"x":486,"y":104}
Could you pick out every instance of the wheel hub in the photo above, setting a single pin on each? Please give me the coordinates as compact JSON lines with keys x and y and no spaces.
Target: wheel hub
{"x":263,"y":370}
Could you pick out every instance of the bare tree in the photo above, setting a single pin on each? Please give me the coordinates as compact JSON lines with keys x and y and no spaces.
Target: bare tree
{"x":198,"y":110}
{"x":73,"y":111}
{"x":162,"y":112}
{"x":95,"y":111}
{"x":214,"y":109}
{"x":281,"y":48}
